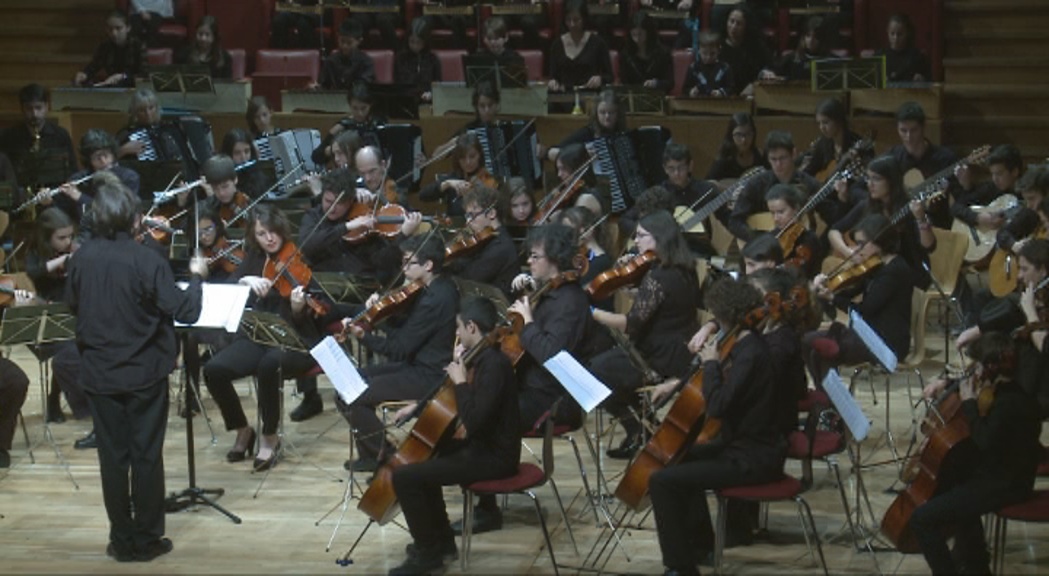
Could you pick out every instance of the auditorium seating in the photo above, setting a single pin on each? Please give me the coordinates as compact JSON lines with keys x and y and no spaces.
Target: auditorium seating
{"x":240,"y":65}
{"x":682,"y":60}
{"x":534,"y":63}
{"x":159,"y":56}
{"x":289,"y":62}
{"x":451,"y":65}
{"x":242,"y":23}
{"x":383,"y":60}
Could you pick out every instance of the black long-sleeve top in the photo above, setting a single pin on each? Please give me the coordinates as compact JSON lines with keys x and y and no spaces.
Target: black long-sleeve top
{"x":688,"y":196}
{"x":561,"y":321}
{"x":51,"y":286}
{"x":635,"y":70}
{"x":341,"y":72}
{"x":419,"y":69}
{"x":426,"y":336}
{"x":326,"y":251}
{"x":495,"y":263}
{"x":823,"y":152}
{"x":1006,"y":437}
{"x":77,"y":209}
{"x":741,"y":392}
{"x":55,"y":142}
{"x":911,"y":249}
{"x":789,"y":367}
{"x":745,"y":61}
{"x":110,"y":59}
{"x":592,"y":60}
{"x":217,"y":68}
{"x":367,"y":130}
{"x":902,"y":65}
{"x":124,"y":297}
{"x":488,"y":409}
{"x":663,"y":318}
{"x":811,"y":242}
{"x":751,"y":201}
{"x":936,"y":158}
{"x":1021,"y":224}
{"x":722,"y":168}
{"x":580,"y":135}
{"x":886,"y":304}
{"x":508,"y":57}
{"x":981,"y":195}
{"x":708,"y":78}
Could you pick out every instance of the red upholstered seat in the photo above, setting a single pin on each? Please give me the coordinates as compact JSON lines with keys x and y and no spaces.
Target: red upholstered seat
{"x":239,"y":60}
{"x":315,"y":371}
{"x":383,"y":60}
{"x":528,"y":475}
{"x":242,"y":23}
{"x":613,"y":55}
{"x":1034,"y":509}
{"x":159,"y":56}
{"x":785,"y":488}
{"x":826,"y":348}
{"x":812,"y":398}
{"x":824,"y":443}
{"x":533,"y":60}
{"x":288,"y":62}
{"x":682,"y":60}
{"x":451,"y":65}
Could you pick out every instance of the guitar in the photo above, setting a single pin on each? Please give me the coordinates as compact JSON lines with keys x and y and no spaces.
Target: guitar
{"x":1003,"y":270}
{"x":913,"y":179}
{"x":982,"y":238}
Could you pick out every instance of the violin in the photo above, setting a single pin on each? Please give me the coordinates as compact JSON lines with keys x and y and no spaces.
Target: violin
{"x":8,"y":292}
{"x":224,"y":255}
{"x":800,"y":255}
{"x":388,"y":220}
{"x":287,"y":271}
{"x":230,"y":213}
{"x":559,"y":197}
{"x":465,"y":244}
{"x":1041,"y":305}
{"x":159,"y":227}
{"x":510,"y":334}
{"x":389,"y":191}
{"x":390,"y":304}
{"x":623,"y":275}
{"x":853,"y":275}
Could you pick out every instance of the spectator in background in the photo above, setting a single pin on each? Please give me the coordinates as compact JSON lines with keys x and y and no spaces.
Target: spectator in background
{"x":348,"y":65}
{"x":418,"y":66}
{"x":496,"y":36}
{"x":903,"y":61}
{"x":708,"y":75}
{"x":117,"y":60}
{"x":744,"y":50}
{"x":206,"y":49}
{"x":646,"y":62}
{"x":579,"y":58}
{"x":35,"y":138}
{"x":146,"y":18}
{"x":814,"y":44}
{"x":295,"y":29}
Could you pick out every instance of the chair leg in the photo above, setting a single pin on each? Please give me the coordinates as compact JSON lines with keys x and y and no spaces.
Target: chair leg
{"x":546,"y":533}
{"x":833,"y":463}
{"x":564,"y":517}
{"x":815,"y":533}
{"x":582,"y":474}
{"x":805,"y":533}
{"x":719,"y":533}
{"x":999,"y":547}
{"x":468,"y":520}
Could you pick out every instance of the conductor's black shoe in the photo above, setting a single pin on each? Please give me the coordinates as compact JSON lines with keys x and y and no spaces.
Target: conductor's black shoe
{"x":626,"y":449}
{"x":89,"y":442}
{"x":5,"y":459}
{"x":155,"y":549}
{"x":118,"y":554}
{"x":485,"y":520}
{"x":310,"y":406}
{"x":448,"y":549}
{"x":429,"y":560}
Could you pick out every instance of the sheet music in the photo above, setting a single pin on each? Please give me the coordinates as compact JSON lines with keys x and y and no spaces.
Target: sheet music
{"x":846,"y":406}
{"x":221,"y":307}
{"x":886,"y":357}
{"x":587,"y":390}
{"x":340,"y":369}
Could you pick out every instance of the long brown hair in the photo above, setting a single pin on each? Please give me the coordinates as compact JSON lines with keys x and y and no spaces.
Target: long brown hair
{"x":273,"y":219}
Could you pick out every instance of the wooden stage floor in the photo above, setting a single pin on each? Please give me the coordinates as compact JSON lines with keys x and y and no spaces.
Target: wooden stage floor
{"x":48,"y":526}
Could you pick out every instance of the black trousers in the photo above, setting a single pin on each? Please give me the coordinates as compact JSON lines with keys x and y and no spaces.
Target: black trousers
{"x":386,"y":382}
{"x":270,"y":365}
{"x":679,"y":502}
{"x":613,"y":368}
{"x":130,"y":428}
{"x":851,"y":350}
{"x":14,"y":385}
{"x":418,"y":488}
{"x":65,"y":373}
{"x":961,"y":508}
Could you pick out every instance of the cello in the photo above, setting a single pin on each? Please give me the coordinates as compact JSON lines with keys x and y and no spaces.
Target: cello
{"x":435,"y":424}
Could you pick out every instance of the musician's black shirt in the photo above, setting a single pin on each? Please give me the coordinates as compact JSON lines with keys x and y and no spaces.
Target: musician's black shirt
{"x":418,"y":69}
{"x":51,"y":286}
{"x":326,"y":251}
{"x":488,"y":408}
{"x":981,"y":195}
{"x":886,"y":304}
{"x":342,"y":72}
{"x":110,"y":59}
{"x":17,"y":141}
{"x":663,"y":319}
{"x":592,"y":60}
{"x":125,"y":298}
{"x":635,"y":70}
{"x":562,"y":321}
{"x":495,"y":263}
{"x":1022,"y":223}
{"x":723,"y":169}
{"x":1007,"y":437}
{"x":426,"y":336}
{"x":752,"y":201}
{"x":936,"y":158}
{"x":823,"y":152}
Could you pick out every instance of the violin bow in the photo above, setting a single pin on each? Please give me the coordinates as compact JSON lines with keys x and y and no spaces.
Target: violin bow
{"x":174,"y":178}
{"x":437,"y":158}
{"x":252,"y":204}
{"x":515,"y":138}
{"x":400,"y":273}
{"x":298,"y":245}
{"x":563,"y":188}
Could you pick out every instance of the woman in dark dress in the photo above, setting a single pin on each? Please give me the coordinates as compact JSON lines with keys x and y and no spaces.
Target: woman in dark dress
{"x":903,"y":61}
{"x":744,"y":50}
{"x":206,"y":49}
{"x":579,"y":58}
{"x":646,"y":62}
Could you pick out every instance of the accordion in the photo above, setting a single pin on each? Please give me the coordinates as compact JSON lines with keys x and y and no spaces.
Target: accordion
{"x":631,"y":161}
{"x":509,"y":150}
{"x":291,"y":151}
{"x":149,"y":151}
{"x":187,"y":140}
{"x":401,"y":144}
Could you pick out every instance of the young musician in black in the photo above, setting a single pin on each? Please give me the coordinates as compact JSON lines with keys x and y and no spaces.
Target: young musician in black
{"x":494,"y":263}
{"x":738,"y":151}
{"x":269,"y":241}
{"x":886,"y":304}
{"x":750,"y":449}
{"x":1004,"y":426}
{"x":239,"y":145}
{"x":97,"y":154}
{"x":805,"y":253}
{"x":916,"y":152}
{"x":607,"y":118}
{"x":835,"y":137}
{"x":124,"y":297}
{"x":1031,"y":218}
{"x":589,"y":67}
{"x":418,"y":348}
{"x":361,"y":120}
{"x":904,"y":62}
{"x":646,"y":62}
{"x":118,"y":60}
{"x":35,"y":138}
{"x":486,"y":444}
{"x":348,"y":65}
{"x":418,"y":66}
{"x":1005,"y":164}
{"x":659,"y":324}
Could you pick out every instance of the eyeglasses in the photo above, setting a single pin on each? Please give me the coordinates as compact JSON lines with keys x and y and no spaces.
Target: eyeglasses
{"x":536,"y":256}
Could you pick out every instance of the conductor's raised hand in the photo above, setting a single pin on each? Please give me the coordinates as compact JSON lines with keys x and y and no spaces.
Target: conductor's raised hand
{"x":198,"y":265}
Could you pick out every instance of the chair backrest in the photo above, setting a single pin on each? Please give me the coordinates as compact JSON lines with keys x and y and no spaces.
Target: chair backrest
{"x":451,"y":65}
{"x":613,"y":55}
{"x":383,"y":60}
{"x":946,"y":261}
{"x":533,"y":60}
{"x":290,"y":62}
{"x":238,"y":63}
{"x":761,"y":221}
{"x":682,"y":59}
{"x":159,"y":56}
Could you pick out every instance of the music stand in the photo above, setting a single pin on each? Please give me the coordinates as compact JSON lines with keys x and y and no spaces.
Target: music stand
{"x":342,"y":287}
{"x":43,"y":168}
{"x":483,"y":68}
{"x":395,"y":101}
{"x":34,"y":325}
{"x":184,"y":79}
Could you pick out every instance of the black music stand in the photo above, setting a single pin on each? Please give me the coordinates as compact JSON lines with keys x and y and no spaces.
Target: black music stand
{"x":345,"y":288}
{"x":183,"y":79}
{"x":395,"y":101}
{"x":43,"y":168}
{"x":32,"y":326}
{"x":483,"y":68}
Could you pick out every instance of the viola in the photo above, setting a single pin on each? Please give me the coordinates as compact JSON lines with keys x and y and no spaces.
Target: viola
{"x":800,"y":255}
{"x":231,"y":213}
{"x":388,"y":220}
{"x":465,"y":244}
{"x":224,"y":255}
{"x":623,"y":275}
{"x":288,"y":271}
{"x":389,"y":191}
{"x":559,"y":197}
{"x":390,"y":304}
{"x":435,"y":424}
{"x":853,"y":275}
{"x":159,"y":227}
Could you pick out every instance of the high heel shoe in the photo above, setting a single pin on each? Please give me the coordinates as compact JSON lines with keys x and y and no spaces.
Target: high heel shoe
{"x":261,"y":465}
{"x":241,"y":455}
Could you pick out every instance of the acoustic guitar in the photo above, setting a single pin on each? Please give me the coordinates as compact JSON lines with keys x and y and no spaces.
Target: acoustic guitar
{"x":982,"y":238}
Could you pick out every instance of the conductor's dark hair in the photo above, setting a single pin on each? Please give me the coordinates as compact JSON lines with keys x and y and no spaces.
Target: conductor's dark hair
{"x":479,"y":310}
{"x":764,"y":248}
{"x":341,"y":181}
{"x":559,"y":242}
{"x":1036,"y":252}
{"x":911,"y":112}
{"x":31,"y":93}
{"x":427,"y":248}
{"x":114,"y":209}
{"x":876,"y":229}
{"x":731,"y":300}
{"x":1006,"y":155}
{"x":218,"y":169}
{"x":270,"y":217}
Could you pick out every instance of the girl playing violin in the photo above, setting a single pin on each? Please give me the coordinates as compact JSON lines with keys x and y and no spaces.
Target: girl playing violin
{"x":280,"y":283}
{"x":886,"y":288}
{"x":223,"y":198}
{"x":804,"y":252}
{"x":469,"y":169}
{"x":659,"y":323}
{"x":740,"y":390}
{"x":521,"y":213}
{"x":46,"y":263}
{"x":1004,"y":425}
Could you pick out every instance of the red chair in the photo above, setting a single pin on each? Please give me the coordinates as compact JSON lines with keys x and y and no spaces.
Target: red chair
{"x":1035,"y":509}
{"x":383,"y":60}
{"x":242,"y":23}
{"x":533,"y":60}
{"x":288,"y":62}
{"x":613,"y":55}
{"x":239,"y":63}
{"x":174,"y":31}
{"x":786,"y":488}
{"x":451,"y":65}
{"x":159,"y":56}
{"x":682,"y":60}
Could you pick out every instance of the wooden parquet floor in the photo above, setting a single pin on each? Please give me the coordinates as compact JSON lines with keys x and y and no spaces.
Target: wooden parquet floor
{"x":48,"y":526}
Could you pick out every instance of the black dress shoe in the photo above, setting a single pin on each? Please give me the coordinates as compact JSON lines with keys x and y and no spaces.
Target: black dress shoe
{"x":310,"y":406}
{"x":361,"y":465}
{"x":448,"y":549}
{"x":54,"y":410}
{"x":235,"y":455}
{"x":5,"y":459}
{"x":485,"y":520}
{"x":154,"y":549}
{"x":118,"y":554}
{"x":428,"y":560}
{"x":89,"y":442}
{"x":626,"y":449}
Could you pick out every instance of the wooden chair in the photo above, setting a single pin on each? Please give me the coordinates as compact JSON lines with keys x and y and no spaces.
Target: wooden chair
{"x":945,"y":265}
